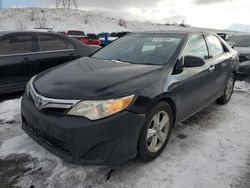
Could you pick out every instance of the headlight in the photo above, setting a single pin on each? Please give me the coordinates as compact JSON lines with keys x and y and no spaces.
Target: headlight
{"x":94,"y":110}
{"x":29,"y":85}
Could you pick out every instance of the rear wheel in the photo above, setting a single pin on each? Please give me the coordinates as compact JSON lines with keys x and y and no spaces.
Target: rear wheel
{"x":224,"y":99}
{"x":156,"y":132}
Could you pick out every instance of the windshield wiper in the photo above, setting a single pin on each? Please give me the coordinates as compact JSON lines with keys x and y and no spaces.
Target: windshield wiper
{"x":119,"y":61}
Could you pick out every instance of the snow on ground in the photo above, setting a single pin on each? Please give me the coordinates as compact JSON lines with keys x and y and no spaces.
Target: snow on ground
{"x":210,"y":149}
{"x":90,"y":22}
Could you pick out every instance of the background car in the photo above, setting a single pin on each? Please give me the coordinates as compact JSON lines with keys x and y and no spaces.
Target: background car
{"x":124,"y":100}
{"x":76,"y":34}
{"x":24,"y":54}
{"x":123,"y":33}
{"x":241,"y":43}
{"x":101,"y":36}
{"x":225,"y":35}
{"x":91,"y":39}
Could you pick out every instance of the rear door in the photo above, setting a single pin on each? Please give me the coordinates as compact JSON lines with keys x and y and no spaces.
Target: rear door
{"x":16,"y":61}
{"x":193,"y":89}
{"x":221,"y":63}
{"x":53,"y":50}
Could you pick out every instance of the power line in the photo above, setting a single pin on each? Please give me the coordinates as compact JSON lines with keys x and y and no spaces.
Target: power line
{"x":66,"y":4}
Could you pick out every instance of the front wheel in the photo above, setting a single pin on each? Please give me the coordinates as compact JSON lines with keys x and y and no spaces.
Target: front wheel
{"x":156,"y":132}
{"x":224,"y":99}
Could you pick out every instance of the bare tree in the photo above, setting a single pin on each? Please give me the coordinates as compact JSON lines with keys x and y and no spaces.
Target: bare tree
{"x":21,"y":25}
{"x":122,"y":23}
{"x":32,"y":15}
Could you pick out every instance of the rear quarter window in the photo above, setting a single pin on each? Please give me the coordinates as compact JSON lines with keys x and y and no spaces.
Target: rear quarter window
{"x":16,"y":45}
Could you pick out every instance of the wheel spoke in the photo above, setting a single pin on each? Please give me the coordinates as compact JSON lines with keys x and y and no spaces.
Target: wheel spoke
{"x":156,"y":120}
{"x":162,"y":136}
{"x":163,"y":122}
{"x":151,"y":132}
{"x":153,"y":143}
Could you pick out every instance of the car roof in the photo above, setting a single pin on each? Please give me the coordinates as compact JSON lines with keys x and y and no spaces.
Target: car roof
{"x":184,"y":32}
{"x":26,"y":32}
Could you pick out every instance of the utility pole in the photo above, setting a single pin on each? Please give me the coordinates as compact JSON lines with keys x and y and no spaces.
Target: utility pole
{"x":66,"y":4}
{"x":1,"y":4}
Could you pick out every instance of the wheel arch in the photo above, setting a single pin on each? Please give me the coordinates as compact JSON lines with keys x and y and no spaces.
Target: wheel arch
{"x":167,"y":99}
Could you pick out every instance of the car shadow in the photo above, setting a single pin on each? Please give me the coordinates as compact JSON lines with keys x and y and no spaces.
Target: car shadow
{"x":9,"y":96}
{"x":243,"y":77}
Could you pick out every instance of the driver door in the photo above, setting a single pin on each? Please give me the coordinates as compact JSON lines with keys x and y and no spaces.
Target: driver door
{"x":194,"y":83}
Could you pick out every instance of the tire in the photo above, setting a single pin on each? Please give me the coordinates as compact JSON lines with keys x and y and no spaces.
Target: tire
{"x":225,"y":98}
{"x":146,"y":151}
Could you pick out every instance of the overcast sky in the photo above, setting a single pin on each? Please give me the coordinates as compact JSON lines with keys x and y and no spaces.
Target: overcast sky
{"x":218,"y":14}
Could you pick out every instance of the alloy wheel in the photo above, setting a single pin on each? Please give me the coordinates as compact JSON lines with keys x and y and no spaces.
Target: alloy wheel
{"x":229,"y":88}
{"x":157,"y":131}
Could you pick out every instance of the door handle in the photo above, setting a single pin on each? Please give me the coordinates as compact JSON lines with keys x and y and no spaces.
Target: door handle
{"x":26,"y":60}
{"x":212,"y":67}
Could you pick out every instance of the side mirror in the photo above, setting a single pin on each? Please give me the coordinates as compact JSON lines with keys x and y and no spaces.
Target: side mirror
{"x":193,"y":61}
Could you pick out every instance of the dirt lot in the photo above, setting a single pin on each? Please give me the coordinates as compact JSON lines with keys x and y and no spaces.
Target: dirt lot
{"x":210,"y":149}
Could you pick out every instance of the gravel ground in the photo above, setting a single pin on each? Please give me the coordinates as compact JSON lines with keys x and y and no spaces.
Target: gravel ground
{"x":210,"y":149}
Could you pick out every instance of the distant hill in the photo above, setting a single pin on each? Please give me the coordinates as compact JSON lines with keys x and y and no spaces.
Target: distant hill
{"x":60,"y":20}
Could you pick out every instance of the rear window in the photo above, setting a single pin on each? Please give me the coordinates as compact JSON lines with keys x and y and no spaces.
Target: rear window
{"x":16,"y":45}
{"x":102,"y":35}
{"x":77,"y":33}
{"x":51,"y":43}
{"x":92,"y":36}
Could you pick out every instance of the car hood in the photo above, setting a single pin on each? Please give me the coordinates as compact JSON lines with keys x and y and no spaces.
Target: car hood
{"x":89,"y":78}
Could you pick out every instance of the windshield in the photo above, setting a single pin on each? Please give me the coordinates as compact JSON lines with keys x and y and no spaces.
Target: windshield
{"x":240,"y":40}
{"x":154,"y":49}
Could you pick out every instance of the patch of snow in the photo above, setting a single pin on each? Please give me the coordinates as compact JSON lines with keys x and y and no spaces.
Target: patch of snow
{"x":9,"y":109}
{"x":62,"y":20}
{"x":242,"y":86}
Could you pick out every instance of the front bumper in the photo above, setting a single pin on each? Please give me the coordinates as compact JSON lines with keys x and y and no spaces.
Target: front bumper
{"x":77,"y":140}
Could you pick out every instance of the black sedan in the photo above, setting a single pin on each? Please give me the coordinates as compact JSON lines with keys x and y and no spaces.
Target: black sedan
{"x":241,"y":43}
{"x":25,"y":54}
{"x":124,"y":100}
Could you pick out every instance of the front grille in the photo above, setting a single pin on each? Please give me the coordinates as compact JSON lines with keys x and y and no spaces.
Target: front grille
{"x":42,"y":103}
{"x":53,"y":142}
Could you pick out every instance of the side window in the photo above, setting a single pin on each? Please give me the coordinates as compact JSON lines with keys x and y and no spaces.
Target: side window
{"x":52,"y":43}
{"x":215,"y":46}
{"x":16,"y":45}
{"x":196,"y":47}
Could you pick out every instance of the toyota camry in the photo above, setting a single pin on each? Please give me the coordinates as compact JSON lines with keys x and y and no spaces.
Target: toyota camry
{"x":124,"y":100}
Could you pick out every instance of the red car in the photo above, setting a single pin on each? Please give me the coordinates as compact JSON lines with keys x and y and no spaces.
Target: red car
{"x":91,"y":39}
